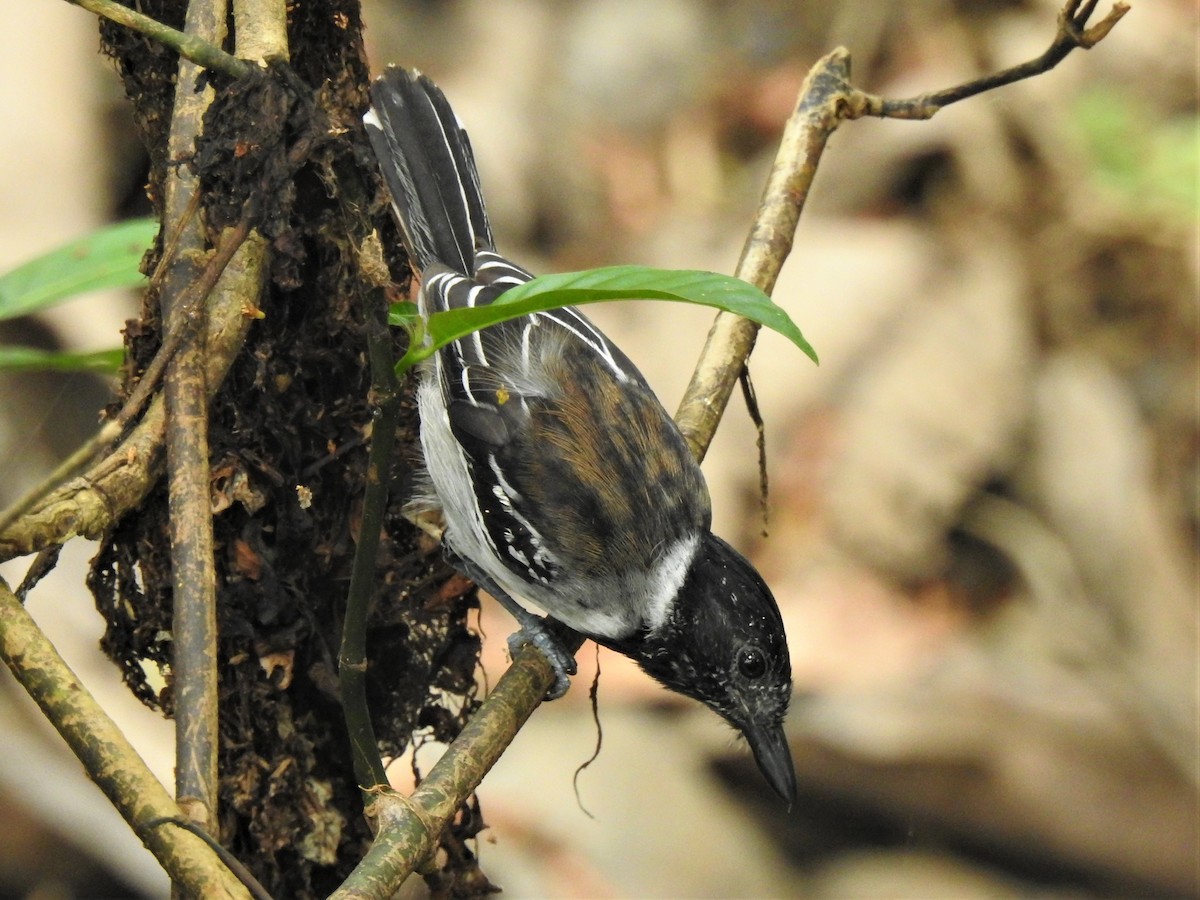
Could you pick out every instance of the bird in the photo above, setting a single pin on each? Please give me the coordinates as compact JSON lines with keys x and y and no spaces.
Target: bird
{"x":563,"y":482}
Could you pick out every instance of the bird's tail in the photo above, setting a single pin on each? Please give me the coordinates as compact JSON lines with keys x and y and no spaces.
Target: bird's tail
{"x":426,"y":158}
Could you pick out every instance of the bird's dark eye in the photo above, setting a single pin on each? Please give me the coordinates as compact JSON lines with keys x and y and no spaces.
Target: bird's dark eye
{"x":751,"y":663}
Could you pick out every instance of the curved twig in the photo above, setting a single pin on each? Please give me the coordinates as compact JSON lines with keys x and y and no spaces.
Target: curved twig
{"x":1073,"y":34}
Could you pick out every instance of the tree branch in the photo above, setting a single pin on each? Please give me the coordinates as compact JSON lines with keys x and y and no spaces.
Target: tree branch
{"x":193,"y":570}
{"x":408,"y":828}
{"x":195,"y":655}
{"x":1073,"y":34}
{"x":731,"y":338}
{"x":106,"y":754}
{"x":826,"y":100}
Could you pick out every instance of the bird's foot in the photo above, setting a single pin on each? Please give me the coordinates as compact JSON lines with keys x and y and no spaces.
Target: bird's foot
{"x":533,"y":628}
{"x":533,"y":631}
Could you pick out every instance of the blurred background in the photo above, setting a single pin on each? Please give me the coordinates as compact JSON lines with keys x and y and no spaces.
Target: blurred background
{"x":983,"y":504}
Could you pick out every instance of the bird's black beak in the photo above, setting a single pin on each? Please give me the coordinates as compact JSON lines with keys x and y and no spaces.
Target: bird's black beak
{"x":774,"y":759}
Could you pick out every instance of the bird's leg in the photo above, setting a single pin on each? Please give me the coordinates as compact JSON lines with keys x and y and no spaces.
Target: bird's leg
{"x":533,"y":628}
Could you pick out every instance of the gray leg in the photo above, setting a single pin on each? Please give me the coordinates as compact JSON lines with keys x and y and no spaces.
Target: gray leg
{"x":533,"y":630}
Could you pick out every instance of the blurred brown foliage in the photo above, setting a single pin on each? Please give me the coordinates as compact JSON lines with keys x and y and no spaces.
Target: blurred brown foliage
{"x":984,"y":503}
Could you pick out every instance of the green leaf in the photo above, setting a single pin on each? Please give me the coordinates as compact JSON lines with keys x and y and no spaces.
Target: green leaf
{"x":613,"y":283}
{"x":31,"y":359}
{"x":403,"y":314}
{"x":106,"y":258}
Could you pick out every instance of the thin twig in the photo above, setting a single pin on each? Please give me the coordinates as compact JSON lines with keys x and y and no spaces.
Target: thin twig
{"x":193,"y":569}
{"x":190,"y":303}
{"x":91,"y":503}
{"x":594,"y":700}
{"x":111,"y":430}
{"x":190,"y":312}
{"x":352,"y":657}
{"x":235,"y":865}
{"x":760,"y":427}
{"x":1073,"y":34}
{"x":199,"y":51}
{"x":106,"y":753}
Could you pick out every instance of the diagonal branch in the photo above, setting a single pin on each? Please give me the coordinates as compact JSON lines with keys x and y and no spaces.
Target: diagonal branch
{"x":408,"y":828}
{"x":91,"y":503}
{"x":198,"y":50}
{"x":731,"y":338}
{"x":198,"y":292}
{"x":106,"y":753}
{"x":826,"y":100}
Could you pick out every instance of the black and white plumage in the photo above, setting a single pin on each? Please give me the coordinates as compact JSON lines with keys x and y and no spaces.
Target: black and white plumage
{"x":562,"y":479}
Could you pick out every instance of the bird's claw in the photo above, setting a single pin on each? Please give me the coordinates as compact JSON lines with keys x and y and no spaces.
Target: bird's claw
{"x":533,"y":628}
{"x":559,"y":658}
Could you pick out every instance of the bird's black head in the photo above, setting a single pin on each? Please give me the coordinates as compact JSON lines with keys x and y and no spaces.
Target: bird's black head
{"x":723,"y":644}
